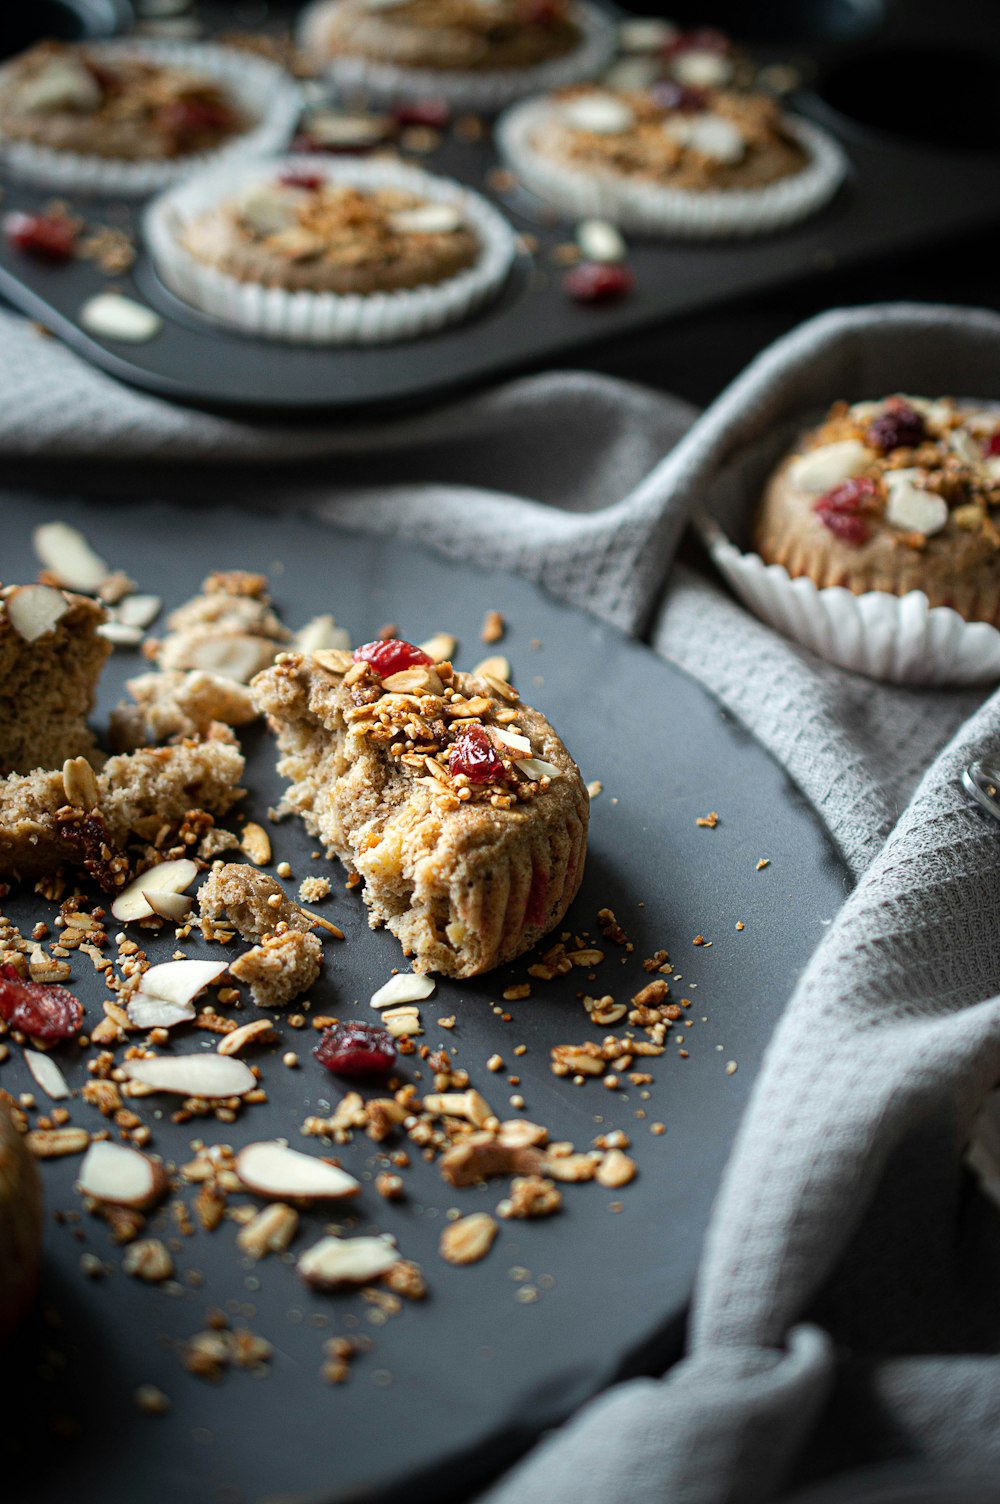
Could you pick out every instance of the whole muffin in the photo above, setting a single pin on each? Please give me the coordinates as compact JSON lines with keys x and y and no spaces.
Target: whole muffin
{"x":72,"y":99}
{"x":894,"y":495}
{"x":303,"y":232}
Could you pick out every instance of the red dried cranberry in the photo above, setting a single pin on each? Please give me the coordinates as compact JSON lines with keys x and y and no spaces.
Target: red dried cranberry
{"x":598,"y":282}
{"x":898,"y":427}
{"x":993,"y":444}
{"x":52,"y":237}
{"x":390,"y":657}
{"x":308,"y":180}
{"x":700,"y":39}
{"x":187,"y":119}
{"x":356,"y":1049}
{"x":432,"y":113}
{"x":37,"y":1009}
{"x":670,"y":94}
{"x":850,"y":496}
{"x":847,"y":526}
{"x":474,"y":754}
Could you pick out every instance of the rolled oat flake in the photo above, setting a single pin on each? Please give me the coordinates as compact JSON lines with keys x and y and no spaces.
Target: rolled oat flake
{"x":115,"y":317}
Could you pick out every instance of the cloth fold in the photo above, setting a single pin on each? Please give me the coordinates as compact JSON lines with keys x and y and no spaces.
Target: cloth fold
{"x":844,"y":1313}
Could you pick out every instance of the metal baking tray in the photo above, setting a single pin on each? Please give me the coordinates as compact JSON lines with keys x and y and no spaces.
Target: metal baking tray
{"x":898,"y":83}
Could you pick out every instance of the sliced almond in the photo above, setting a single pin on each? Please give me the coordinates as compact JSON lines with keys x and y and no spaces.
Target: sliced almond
{"x":139,"y":610}
{"x":80,"y":783}
{"x":495,"y":667}
{"x":819,"y":469}
{"x":537,"y":767}
{"x":512,"y":739}
{"x":168,"y":877}
{"x":119,"y":635}
{"x":421,"y":680}
{"x":233,"y":1042}
{"x":440,"y":648}
{"x":112,"y":316}
{"x":334,"y":660}
{"x":66,"y":554}
{"x":273,"y":1169}
{"x":427,"y":219}
{"x":179,"y":981}
{"x":173,"y":906}
{"x":155,"y":1013}
{"x":322,"y":633}
{"x":405,"y":987}
{"x":34,"y":610}
{"x":469,"y":1239}
{"x":47,"y":1075}
{"x":121,"y":1176}
{"x":209,"y":1076}
{"x":598,"y":114}
{"x":346,"y":1261}
{"x":256,"y":843}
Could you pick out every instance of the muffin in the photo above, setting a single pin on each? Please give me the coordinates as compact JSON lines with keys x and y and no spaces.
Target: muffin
{"x":700,"y":57}
{"x":896,"y":495}
{"x":130,"y":117}
{"x":673,"y":157}
{"x":347,"y":252}
{"x":459,"y":807}
{"x":470,"y":53}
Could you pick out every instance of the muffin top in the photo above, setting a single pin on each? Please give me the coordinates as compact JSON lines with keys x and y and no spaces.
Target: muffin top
{"x":301,"y":231}
{"x":909,"y":466}
{"x":672,"y":135}
{"x":74,"y":99}
{"x":453,"y":34}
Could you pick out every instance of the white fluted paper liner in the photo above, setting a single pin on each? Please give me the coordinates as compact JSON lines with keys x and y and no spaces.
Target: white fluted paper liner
{"x":327,"y":318}
{"x":900,"y":639}
{"x":488,"y":90}
{"x":582,"y":193}
{"x":259,"y":88}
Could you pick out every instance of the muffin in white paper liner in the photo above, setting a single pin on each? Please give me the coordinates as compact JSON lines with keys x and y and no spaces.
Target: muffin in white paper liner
{"x":485,"y":89}
{"x":900,"y":639}
{"x":324,"y":317}
{"x":581,"y":193}
{"x":260,"y":89}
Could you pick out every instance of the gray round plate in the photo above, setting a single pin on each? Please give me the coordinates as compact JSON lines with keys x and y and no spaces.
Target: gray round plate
{"x":457,"y":1386}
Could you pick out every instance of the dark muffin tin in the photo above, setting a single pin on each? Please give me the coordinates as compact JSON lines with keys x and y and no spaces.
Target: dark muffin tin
{"x":901,"y":84}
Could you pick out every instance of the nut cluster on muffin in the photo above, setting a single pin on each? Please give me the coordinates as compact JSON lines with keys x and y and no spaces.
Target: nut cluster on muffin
{"x":467,"y":35}
{"x":895,"y":495}
{"x":672,"y":135}
{"x":457,"y":804}
{"x":130,"y":108}
{"x":301,"y":231}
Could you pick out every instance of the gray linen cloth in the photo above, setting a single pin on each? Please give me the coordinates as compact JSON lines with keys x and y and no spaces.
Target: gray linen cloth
{"x":846,"y":1310}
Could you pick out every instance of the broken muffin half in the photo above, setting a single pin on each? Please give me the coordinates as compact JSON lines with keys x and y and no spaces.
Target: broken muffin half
{"x":459,"y":807}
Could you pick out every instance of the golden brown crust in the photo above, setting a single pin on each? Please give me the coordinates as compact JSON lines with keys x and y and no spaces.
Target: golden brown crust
{"x":449,"y":35}
{"x":661,"y":146}
{"x":958,"y":565}
{"x":125,"y":108}
{"x":466,"y":876}
{"x":341,"y":240}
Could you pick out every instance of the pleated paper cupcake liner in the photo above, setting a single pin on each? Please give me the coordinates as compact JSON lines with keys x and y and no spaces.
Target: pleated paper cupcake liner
{"x":582,"y":194}
{"x":900,"y":639}
{"x":487,"y":90}
{"x":251,"y":82}
{"x":322,"y":318}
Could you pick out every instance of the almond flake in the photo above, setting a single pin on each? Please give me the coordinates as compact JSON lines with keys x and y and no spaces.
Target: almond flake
{"x":405,"y":987}
{"x":346,"y":1261}
{"x":209,"y":1075}
{"x":273,"y":1169}
{"x":512,"y":739}
{"x":537,"y":767}
{"x":818,"y":470}
{"x":121,"y":1176}
{"x":47,"y":1075}
{"x":34,"y":610}
{"x":68,"y":556}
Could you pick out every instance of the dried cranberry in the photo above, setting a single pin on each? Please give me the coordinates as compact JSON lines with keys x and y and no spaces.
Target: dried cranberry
{"x":52,"y":237}
{"x":390,"y":657}
{"x":432,"y":113}
{"x":37,"y":1009}
{"x":850,"y":496}
{"x":308,"y":180}
{"x":598,"y":282}
{"x":188,"y":119}
{"x":670,"y":94}
{"x":993,"y":443}
{"x":898,"y":427}
{"x":701,"y":39}
{"x":356,"y":1049}
{"x":474,"y":754}
{"x":847,"y":526}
